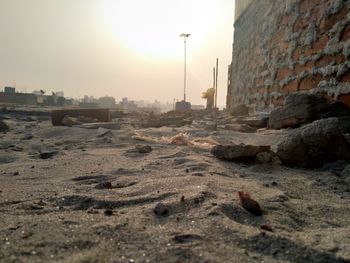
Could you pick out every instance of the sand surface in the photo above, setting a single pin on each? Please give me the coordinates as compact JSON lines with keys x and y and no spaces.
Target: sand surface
{"x":51,"y":210}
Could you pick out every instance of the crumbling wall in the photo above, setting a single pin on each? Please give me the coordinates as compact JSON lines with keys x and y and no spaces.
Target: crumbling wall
{"x":282,"y":47}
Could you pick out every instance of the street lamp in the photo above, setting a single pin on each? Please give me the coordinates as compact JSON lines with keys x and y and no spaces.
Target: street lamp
{"x":185,"y":36}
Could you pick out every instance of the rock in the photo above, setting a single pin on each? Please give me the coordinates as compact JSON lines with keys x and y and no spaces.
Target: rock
{"x":346,"y":172}
{"x":240,"y":128}
{"x":104,"y":185}
{"x":266,"y":228}
{"x":238,"y":152}
{"x":48,"y":154}
{"x":161,"y":210}
{"x":108,"y":212}
{"x":304,"y":108}
{"x":70,"y":121}
{"x":240,"y":110}
{"x":255,"y":121}
{"x":264,"y":157}
{"x":314,"y":144}
{"x":143,"y":148}
{"x":249,"y":204}
{"x":4,"y":127}
{"x":101,"y":132}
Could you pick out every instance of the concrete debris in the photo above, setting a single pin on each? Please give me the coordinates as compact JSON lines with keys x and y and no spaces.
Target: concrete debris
{"x":101,"y":132}
{"x":102,"y":115}
{"x":314,"y":144}
{"x":254,"y":121}
{"x":238,"y":152}
{"x":70,"y":121}
{"x":304,"y":108}
{"x":96,"y":125}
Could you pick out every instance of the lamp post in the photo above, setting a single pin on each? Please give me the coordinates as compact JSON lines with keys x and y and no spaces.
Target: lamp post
{"x":185,"y":36}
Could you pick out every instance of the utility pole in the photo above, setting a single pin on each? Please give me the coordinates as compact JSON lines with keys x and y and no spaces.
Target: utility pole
{"x":216,"y":82}
{"x":185,"y":36}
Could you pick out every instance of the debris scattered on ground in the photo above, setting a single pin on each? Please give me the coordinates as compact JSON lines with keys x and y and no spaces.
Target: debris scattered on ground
{"x":238,"y":152}
{"x":314,"y":144}
{"x":240,"y":128}
{"x":303,"y":108}
{"x":249,"y":204}
{"x":108,"y":212}
{"x":101,"y":132}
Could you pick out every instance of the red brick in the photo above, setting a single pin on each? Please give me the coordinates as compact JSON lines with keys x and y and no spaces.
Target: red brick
{"x":346,"y":33}
{"x":328,"y":22}
{"x":309,"y":66}
{"x":306,"y":5}
{"x":345,"y":98}
{"x":300,"y":24}
{"x":310,"y":82}
{"x":298,"y":69}
{"x":283,"y":73}
{"x":291,"y":87}
{"x":285,"y":20}
{"x":325,"y":60}
{"x":317,"y":46}
{"x":296,"y":54}
{"x":346,"y":77}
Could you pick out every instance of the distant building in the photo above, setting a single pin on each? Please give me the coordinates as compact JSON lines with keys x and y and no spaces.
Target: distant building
{"x":18,"y":98}
{"x":182,"y":105}
{"x":10,"y":90}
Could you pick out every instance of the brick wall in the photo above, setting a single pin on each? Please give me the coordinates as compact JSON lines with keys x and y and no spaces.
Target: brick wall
{"x":286,"y":46}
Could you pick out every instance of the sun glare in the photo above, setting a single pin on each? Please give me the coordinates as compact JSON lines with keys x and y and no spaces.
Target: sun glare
{"x":152,"y":28}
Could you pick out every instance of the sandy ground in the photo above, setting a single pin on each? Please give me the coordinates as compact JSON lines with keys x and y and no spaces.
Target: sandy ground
{"x":50,"y":210}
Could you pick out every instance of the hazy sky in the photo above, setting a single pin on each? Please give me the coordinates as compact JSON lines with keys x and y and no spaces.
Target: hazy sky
{"x":122,"y":48}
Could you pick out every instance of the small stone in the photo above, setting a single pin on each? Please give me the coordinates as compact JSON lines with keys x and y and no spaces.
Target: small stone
{"x":108,"y":212}
{"x":274,"y":183}
{"x":104,"y":185}
{"x":266,"y":228}
{"x":182,"y":199}
{"x":16,"y":173}
{"x":48,"y":154}
{"x":161,"y":210}
{"x":143,"y":148}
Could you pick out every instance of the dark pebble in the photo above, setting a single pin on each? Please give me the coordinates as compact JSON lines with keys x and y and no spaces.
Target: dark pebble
{"x":108,"y":212}
{"x":161,"y":210}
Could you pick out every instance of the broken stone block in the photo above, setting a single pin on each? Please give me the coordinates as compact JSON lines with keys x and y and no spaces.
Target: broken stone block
{"x":101,"y":132}
{"x":255,"y":121}
{"x":238,"y":152}
{"x":102,"y":115}
{"x":70,"y":121}
{"x":314,"y":145}
{"x":304,"y":108}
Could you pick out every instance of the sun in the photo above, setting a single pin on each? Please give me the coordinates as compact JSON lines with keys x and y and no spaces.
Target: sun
{"x":152,"y":28}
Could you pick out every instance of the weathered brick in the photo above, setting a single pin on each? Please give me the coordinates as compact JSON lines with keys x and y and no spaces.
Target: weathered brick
{"x":285,"y":20}
{"x":345,"y":98}
{"x":296,"y":54}
{"x":298,"y":69}
{"x":328,"y":22}
{"x":346,"y":33}
{"x":346,"y":77}
{"x":310,"y":82}
{"x":283,"y":73}
{"x":291,"y":87}
{"x":319,"y":45}
{"x":326,"y":60}
{"x":300,"y":24}
{"x":306,"y":5}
